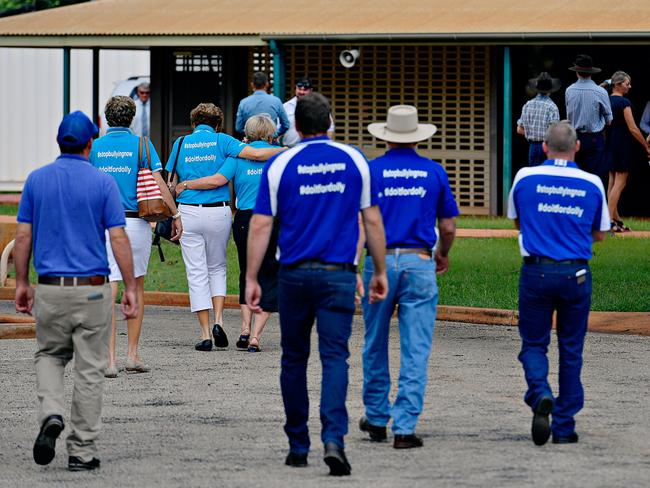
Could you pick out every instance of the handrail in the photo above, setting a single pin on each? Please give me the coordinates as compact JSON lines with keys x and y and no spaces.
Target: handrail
{"x":4,"y":261}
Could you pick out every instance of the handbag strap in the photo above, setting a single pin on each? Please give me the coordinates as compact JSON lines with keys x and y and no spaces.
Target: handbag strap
{"x":144,"y":141}
{"x":173,"y":173}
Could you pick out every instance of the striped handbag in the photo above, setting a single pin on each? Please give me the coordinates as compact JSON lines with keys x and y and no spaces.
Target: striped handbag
{"x":151,"y":206}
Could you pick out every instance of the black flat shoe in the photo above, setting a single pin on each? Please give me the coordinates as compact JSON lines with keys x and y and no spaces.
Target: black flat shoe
{"x":407,"y":441}
{"x":377,"y":433}
{"x":541,"y":429}
{"x":296,"y":460}
{"x":204,"y":345}
{"x":572,"y":438}
{"x":220,"y":337}
{"x":242,"y":343}
{"x":76,"y":464}
{"x":46,"y":440}
{"x":336,"y":460}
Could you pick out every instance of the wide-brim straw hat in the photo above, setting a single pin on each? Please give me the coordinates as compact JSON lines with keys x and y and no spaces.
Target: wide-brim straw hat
{"x":544,"y":83}
{"x":402,"y":126}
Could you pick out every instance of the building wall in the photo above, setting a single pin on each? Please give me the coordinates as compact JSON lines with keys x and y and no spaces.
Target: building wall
{"x":31,"y":97}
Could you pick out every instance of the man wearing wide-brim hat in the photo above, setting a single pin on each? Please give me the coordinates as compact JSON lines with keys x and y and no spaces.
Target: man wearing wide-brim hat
{"x":414,"y":194}
{"x":537,"y":115}
{"x":589,"y":111}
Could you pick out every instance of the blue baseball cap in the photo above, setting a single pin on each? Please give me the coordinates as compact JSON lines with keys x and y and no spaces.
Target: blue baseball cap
{"x":76,"y":129}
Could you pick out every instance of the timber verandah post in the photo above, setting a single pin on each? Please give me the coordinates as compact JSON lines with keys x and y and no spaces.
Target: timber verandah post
{"x":66,"y":81}
{"x":507,"y":127}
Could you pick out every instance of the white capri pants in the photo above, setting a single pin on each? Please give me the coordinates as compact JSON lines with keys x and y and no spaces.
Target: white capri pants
{"x":204,"y":242}
{"x":139,"y":233}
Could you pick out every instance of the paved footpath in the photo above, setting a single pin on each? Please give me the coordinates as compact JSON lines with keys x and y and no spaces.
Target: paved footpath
{"x":215,"y":419}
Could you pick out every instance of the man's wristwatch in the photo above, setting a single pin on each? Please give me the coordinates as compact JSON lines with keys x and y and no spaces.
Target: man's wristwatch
{"x":177,"y":216}
{"x":185,"y":185}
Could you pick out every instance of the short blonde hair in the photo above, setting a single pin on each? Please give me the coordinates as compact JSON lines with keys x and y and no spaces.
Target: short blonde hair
{"x":259,"y":128}
{"x":208,"y":114}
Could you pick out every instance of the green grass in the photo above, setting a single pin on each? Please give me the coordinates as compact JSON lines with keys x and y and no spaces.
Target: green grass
{"x":8,"y":209}
{"x":476,"y":222}
{"x":483,"y":273}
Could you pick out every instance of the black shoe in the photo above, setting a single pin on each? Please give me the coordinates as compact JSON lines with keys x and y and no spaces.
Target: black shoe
{"x":407,"y":441}
{"x":76,"y":464}
{"x":204,"y":345}
{"x":242,"y":343}
{"x":46,"y":439}
{"x":336,"y":460}
{"x":296,"y":459}
{"x":377,"y":433}
{"x":572,"y":438}
{"x":541,"y":429}
{"x":220,"y":337}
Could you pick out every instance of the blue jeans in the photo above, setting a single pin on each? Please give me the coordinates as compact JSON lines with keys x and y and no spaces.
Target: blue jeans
{"x":544,"y":288}
{"x":306,"y":295}
{"x":412,"y":286}
{"x":536,"y":154}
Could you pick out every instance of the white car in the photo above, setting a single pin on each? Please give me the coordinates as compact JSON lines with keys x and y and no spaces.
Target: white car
{"x":127,"y":88}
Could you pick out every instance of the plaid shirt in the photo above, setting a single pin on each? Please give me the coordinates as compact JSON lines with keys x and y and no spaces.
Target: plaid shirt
{"x":537,"y":115}
{"x":587,"y":106}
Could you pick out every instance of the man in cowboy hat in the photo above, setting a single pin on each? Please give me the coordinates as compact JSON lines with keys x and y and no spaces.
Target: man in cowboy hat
{"x":416,"y":193}
{"x":589,"y":111}
{"x":537,"y":115}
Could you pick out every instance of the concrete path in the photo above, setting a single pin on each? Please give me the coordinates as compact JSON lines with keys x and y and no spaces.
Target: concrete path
{"x":215,"y":419}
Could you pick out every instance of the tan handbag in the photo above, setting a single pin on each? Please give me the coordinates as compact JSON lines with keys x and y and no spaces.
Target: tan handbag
{"x":151,"y":206}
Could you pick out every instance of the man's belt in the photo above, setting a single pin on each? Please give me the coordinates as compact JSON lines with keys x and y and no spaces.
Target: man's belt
{"x":586,"y":133}
{"x":544,"y":260}
{"x":323,"y":266}
{"x":409,"y":250}
{"x":215,"y":204}
{"x":131,"y":214}
{"x":72,"y":280}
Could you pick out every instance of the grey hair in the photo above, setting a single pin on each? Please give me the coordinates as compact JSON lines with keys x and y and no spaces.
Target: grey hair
{"x":144,"y":85}
{"x":119,"y":111}
{"x":561,"y":137}
{"x":259,"y":128}
{"x":619,"y":77}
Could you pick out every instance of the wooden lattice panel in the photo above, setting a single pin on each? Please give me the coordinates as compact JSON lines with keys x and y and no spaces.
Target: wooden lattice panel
{"x":260,"y":59}
{"x":450,"y":85}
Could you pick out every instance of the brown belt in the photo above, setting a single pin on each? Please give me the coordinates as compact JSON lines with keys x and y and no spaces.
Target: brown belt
{"x":72,"y":280}
{"x":409,"y":250}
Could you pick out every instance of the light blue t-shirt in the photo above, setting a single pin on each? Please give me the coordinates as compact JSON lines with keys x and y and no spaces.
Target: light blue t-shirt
{"x":416,"y":193}
{"x":70,"y":205}
{"x":116,"y":154}
{"x":203,"y":153}
{"x":246,"y":176}
{"x":558,"y":207}
{"x":317,"y":189}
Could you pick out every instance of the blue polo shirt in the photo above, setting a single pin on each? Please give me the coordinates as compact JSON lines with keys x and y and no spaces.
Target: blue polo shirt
{"x":70,"y":205}
{"x":203,"y":153}
{"x":415,"y":193}
{"x":246,"y":176}
{"x":116,"y":154}
{"x":258,"y":103}
{"x":558,"y":207}
{"x":316,"y":190}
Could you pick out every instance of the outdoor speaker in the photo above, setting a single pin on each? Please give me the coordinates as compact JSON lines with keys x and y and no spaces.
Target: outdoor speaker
{"x":349,"y":57}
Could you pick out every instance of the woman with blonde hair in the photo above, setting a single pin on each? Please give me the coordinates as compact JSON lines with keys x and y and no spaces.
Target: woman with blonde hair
{"x":246,"y":176}
{"x":206,"y":213}
{"x":622,"y":136}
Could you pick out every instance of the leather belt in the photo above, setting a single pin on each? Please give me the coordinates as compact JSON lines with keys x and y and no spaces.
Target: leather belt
{"x":72,"y":280}
{"x":585,"y":133}
{"x":131,"y":214}
{"x":544,"y":260}
{"x":323,"y":266}
{"x":215,"y":204}
{"x":409,"y":250}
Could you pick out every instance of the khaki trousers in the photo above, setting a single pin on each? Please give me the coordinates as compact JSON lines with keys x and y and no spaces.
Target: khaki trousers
{"x":73,"y":321}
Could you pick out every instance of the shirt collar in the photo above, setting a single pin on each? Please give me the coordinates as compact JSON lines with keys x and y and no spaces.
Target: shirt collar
{"x":203,"y":128}
{"x":402,"y":151}
{"x":543,"y":96}
{"x":73,"y":156}
{"x":117,"y":130}
{"x":562,"y":163}
{"x":585,"y":80}
{"x":315,"y":139}
{"x":260,"y":92}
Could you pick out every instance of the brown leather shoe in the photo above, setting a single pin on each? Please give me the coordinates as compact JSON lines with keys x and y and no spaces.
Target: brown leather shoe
{"x":407,"y":441}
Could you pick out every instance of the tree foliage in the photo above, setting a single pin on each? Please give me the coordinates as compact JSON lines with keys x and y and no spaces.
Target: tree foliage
{"x":13,"y":7}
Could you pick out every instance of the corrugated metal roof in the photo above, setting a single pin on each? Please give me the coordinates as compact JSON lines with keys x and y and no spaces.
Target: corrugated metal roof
{"x":332,"y":17}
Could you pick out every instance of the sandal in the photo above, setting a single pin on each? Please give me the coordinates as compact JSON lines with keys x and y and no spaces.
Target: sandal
{"x":242,"y":343}
{"x":622,"y":226}
{"x":254,"y":347}
{"x":615,"y":227}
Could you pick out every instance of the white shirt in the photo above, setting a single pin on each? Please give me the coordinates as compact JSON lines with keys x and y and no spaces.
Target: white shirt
{"x":136,"y":125}
{"x":291,"y":137}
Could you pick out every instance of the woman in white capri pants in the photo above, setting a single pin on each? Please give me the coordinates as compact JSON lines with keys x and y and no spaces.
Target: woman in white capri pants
{"x":117,"y":154}
{"x":207,"y":216}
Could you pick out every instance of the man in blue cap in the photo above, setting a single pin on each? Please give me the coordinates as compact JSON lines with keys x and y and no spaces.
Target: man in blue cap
{"x":65,"y":209}
{"x":560,"y":210}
